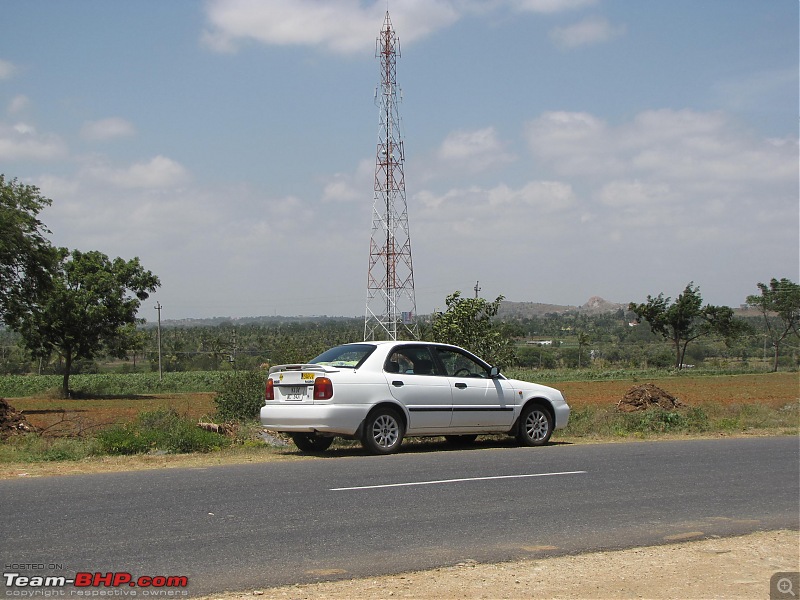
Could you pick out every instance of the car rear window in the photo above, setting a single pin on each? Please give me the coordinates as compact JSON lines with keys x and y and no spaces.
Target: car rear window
{"x":350,"y":355}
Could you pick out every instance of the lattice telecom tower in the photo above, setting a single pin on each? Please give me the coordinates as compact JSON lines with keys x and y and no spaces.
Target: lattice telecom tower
{"x":391,"y":306}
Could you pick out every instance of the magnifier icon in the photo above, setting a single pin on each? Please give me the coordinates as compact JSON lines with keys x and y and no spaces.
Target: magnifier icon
{"x":785,"y":586}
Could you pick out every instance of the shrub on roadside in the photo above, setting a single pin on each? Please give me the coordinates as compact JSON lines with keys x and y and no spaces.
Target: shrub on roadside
{"x":241,"y":396}
{"x":159,"y":430}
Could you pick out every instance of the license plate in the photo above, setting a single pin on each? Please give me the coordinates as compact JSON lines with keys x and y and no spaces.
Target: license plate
{"x":295,"y":393}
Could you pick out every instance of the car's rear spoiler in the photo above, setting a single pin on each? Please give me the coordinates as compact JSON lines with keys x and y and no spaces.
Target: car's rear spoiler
{"x":305,"y":367}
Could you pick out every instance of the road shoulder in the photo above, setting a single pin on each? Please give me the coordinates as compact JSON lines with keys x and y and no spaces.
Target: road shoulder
{"x":735,"y":567}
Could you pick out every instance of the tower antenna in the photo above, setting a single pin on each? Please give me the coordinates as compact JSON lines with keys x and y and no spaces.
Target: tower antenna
{"x":391,"y":305}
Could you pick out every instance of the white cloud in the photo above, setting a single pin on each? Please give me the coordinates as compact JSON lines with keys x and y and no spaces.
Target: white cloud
{"x":7,"y":69}
{"x":551,"y":6}
{"x":158,"y":172}
{"x":554,"y":136}
{"x":106,"y":129}
{"x":18,"y":104}
{"x":499,"y":214}
{"x":343,"y":26}
{"x":686,"y":145}
{"x":21,"y":141}
{"x":475,"y":150}
{"x":684,"y":184}
{"x":345,"y":187}
{"x":592,"y":30}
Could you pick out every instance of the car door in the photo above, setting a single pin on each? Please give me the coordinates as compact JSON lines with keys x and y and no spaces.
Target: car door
{"x":415,"y":380}
{"x":479,"y":401}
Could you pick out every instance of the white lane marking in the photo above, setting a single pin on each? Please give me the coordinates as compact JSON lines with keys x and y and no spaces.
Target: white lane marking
{"x":390,"y":485}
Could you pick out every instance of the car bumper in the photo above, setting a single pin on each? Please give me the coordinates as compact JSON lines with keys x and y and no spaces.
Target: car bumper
{"x":561,"y":415}
{"x":340,"y":419}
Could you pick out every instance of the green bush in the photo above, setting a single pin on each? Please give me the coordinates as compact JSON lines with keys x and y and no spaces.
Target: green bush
{"x":159,"y":430}
{"x":241,"y":396}
{"x":604,"y":421}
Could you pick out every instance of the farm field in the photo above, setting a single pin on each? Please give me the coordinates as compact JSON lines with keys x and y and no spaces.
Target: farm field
{"x":767,"y":391}
{"x":773,"y":390}
{"x":82,"y":416}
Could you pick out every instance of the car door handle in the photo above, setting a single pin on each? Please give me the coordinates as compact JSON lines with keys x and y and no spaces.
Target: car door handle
{"x":397,"y":383}
{"x":461,"y":386}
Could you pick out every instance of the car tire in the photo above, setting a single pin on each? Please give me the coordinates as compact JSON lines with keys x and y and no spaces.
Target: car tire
{"x":311,"y":442}
{"x":535,"y":426}
{"x":383,"y":431}
{"x":461,"y":440}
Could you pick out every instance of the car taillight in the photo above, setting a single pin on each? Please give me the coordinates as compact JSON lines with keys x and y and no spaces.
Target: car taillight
{"x":323,"y":388}
{"x":269,"y":391}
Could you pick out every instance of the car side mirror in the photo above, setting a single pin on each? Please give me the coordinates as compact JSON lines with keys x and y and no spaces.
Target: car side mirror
{"x":494,"y":372}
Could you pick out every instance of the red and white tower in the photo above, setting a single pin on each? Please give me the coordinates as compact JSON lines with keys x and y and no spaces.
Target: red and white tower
{"x":391,"y":306}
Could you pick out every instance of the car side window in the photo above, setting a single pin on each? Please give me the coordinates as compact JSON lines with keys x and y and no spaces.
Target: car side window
{"x":460,"y":365}
{"x":411,"y":360}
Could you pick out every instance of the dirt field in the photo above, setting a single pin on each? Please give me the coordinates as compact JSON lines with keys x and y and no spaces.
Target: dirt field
{"x":739,"y":567}
{"x":774,"y":390}
{"x":60,"y":416}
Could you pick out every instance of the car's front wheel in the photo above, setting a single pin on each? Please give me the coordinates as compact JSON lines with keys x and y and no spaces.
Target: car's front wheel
{"x":311,"y":442}
{"x":383,"y":431}
{"x":535,"y":426}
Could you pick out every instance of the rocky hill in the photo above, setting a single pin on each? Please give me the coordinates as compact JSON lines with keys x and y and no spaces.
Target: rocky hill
{"x":520,"y":310}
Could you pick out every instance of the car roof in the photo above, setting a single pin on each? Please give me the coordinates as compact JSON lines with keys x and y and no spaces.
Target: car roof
{"x":384,"y":342}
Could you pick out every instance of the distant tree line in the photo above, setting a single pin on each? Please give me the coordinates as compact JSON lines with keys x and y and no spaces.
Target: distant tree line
{"x":553,"y":341}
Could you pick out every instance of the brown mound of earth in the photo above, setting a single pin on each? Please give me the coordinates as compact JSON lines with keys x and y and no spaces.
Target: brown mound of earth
{"x":12,"y":422}
{"x":647,"y":395}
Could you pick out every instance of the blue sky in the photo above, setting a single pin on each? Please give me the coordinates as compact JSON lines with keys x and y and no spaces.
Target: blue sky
{"x":555,"y":149}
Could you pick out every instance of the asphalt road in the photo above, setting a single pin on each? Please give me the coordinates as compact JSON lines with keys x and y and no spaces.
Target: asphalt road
{"x":253,"y":526}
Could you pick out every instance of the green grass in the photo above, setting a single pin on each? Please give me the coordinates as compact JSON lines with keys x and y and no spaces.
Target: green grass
{"x":117,"y":384}
{"x":159,"y":431}
{"x":32,"y":448}
{"x":600,"y":422}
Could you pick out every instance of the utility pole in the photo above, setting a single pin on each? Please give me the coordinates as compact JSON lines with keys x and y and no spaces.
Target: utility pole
{"x":477,"y":289}
{"x":158,"y":337}
{"x":233,"y":350}
{"x":391,"y":305}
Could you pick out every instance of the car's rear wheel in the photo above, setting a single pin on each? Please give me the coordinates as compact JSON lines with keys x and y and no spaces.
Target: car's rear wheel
{"x":535,"y":426}
{"x":383,"y":431}
{"x":311,"y":442}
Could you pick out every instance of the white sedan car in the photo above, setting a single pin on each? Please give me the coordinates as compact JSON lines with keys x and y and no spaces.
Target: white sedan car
{"x":381,"y":392}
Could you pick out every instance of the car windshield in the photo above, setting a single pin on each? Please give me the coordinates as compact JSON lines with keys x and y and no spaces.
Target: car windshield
{"x":350,"y":355}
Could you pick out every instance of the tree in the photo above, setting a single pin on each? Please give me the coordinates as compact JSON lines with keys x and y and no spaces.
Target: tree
{"x":686,"y":319}
{"x":779,"y":303}
{"x":89,"y":302}
{"x":26,"y":256}
{"x":467,"y":323}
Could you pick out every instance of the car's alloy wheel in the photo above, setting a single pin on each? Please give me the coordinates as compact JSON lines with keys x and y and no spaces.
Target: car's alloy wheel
{"x":311,"y":442}
{"x":383,"y":432}
{"x":535,"y":426}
